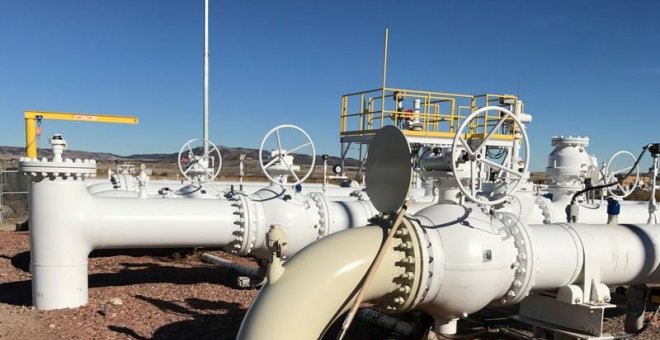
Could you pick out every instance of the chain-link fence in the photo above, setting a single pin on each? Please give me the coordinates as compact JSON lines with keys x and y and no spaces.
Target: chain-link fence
{"x":13,"y":192}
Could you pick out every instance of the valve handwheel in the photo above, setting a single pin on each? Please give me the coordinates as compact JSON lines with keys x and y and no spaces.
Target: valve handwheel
{"x":611,"y":172}
{"x":281,"y":153}
{"x":196,"y":166}
{"x":478,"y":156}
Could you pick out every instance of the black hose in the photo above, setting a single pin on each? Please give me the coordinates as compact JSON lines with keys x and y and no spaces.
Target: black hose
{"x":618,"y":181}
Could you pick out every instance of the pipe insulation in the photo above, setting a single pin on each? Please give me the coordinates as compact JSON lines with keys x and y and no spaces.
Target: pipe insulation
{"x":469,"y":259}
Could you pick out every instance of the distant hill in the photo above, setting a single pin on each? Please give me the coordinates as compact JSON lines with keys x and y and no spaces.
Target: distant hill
{"x":230,"y":155}
{"x":13,"y":152}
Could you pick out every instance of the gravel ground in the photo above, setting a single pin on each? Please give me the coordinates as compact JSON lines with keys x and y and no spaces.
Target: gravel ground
{"x":138,"y":294}
{"x":145,"y":294}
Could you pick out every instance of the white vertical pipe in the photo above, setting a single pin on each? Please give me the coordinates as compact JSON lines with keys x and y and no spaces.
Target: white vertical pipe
{"x":206,"y":78}
{"x":58,"y":255}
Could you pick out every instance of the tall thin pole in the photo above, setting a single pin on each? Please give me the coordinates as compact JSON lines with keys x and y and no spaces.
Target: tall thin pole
{"x":206,"y":78}
{"x":654,"y":187}
{"x":382,"y":100}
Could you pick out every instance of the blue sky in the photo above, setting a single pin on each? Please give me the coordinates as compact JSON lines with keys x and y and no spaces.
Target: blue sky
{"x":584,"y":67}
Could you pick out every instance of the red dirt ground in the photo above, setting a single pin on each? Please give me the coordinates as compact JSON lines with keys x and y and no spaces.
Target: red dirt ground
{"x":161,"y":298}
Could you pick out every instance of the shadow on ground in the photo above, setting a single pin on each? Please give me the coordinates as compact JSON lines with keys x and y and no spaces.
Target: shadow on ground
{"x":22,"y":260}
{"x":219,"y":320}
{"x":135,"y":273}
{"x":19,"y":292}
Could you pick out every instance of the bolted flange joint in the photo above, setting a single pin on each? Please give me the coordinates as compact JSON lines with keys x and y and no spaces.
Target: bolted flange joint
{"x":523,"y":281}
{"x":324,"y":213}
{"x":409,"y":280}
{"x":69,"y":169}
{"x":246,"y":221}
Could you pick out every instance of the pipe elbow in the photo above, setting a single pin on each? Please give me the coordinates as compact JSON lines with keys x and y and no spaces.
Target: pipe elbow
{"x":58,"y":247}
{"x":326,"y":278}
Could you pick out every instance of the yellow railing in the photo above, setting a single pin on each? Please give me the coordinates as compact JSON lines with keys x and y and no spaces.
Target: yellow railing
{"x":437,"y":115}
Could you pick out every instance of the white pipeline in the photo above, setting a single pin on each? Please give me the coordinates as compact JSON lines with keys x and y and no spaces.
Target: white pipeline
{"x":67,"y":223}
{"x":458,"y":262}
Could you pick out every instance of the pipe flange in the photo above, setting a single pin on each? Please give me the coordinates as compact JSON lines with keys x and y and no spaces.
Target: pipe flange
{"x":524,"y":266}
{"x":546,"y":210}
{"x":409,"y":276}
{"x":246,"y":220}
{"x":68,"y":168}
{"x":425,"y":251}
{"x":252,"y":225}
{"x":570,"y":141}
{"x":324,"y":214}
{"x":236,"y":245}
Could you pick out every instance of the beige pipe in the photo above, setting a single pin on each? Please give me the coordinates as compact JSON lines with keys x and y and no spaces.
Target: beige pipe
{"x":318,"y":285}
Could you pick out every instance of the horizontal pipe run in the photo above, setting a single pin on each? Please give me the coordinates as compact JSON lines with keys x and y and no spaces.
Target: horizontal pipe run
{"x":220,"y":262}
{"x":67,"y":223}
{"x":130,"y":223}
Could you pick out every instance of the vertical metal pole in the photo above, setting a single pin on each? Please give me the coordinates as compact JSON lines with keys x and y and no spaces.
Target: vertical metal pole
{"x":206,"y":78}
{"x":382,"y":100}
{"x":654,"y":183}
{"x":30,"y":137}
{"x":325,"y":173}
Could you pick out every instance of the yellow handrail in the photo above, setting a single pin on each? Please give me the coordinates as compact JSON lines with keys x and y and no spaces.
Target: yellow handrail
{"x":439,"y":113}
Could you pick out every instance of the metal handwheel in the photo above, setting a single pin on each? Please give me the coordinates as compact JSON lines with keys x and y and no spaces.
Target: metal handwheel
{"x":477,"y":156}
{"x":611,"y":172}
{"x":196,"y":166}
{"x":281,"y":153}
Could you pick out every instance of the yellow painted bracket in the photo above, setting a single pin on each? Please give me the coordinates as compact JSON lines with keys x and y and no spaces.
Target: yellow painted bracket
{"x":32,"y":117}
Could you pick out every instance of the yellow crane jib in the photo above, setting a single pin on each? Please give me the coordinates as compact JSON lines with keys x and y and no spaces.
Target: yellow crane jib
{"x":34,"y":117}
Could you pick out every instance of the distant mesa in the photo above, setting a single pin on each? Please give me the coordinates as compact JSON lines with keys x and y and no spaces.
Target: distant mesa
{"x":228,"y":154}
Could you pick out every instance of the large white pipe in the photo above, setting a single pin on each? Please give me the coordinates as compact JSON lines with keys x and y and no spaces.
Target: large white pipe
{"x":623,"y":254}
{"x":534,"y":209}
{"x":527,"y":258}
{"x":127,"y":183}
{"x":475,"y":259}
{"x":67,"y":222}
{"x":346,"y":270}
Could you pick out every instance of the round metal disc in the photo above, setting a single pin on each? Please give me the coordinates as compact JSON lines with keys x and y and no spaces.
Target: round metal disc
{"x":389,"y":169}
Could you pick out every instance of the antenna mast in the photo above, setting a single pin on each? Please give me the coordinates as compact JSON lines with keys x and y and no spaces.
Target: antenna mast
{"x":382,"y":101}
{"x":206,"y":78}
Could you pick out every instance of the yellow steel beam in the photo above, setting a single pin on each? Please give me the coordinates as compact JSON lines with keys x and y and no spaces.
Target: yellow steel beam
{"x":84,"y":117}
{"x":31,"y":118}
